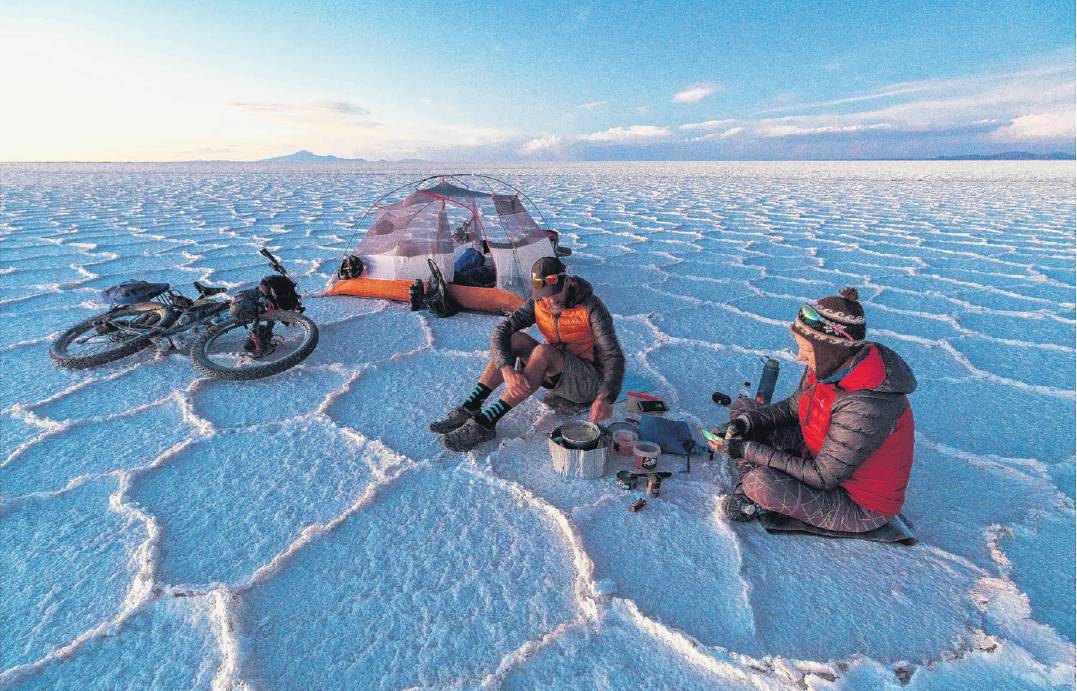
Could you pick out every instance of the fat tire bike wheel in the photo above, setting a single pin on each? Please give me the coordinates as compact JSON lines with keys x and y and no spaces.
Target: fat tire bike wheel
{"x":219,"y":352}
{"x":111,"y":336}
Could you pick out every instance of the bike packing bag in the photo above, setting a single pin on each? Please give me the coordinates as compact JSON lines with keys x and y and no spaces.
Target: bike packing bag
{"x":280,"y":290}
{"x":130,"y":292}
{"x":673,"y":436}
{"x":437,"y":299}
{"x":244,"y":306}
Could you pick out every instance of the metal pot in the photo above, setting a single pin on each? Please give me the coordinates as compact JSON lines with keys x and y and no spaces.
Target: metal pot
{"x":584,"y":464}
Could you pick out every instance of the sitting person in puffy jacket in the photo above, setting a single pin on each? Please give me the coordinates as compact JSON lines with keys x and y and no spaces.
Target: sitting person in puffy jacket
{"x":837,"y":453}
{"x":581,"y":362}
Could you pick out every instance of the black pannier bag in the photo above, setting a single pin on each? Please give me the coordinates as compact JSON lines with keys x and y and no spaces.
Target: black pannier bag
{"x":280,"y":291}
{"x":437,"y":299}
{"x":130,"y":292}
{"x":351,"y":267}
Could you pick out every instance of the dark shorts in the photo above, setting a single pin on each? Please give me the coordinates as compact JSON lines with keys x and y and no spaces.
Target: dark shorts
{"x":578,"y":382}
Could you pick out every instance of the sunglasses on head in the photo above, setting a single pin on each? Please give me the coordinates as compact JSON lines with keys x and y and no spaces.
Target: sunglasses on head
{"x":551,"y":280}
{"x":813,"y":319}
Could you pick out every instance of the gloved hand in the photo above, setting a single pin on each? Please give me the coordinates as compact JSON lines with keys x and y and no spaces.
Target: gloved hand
{"x":735,"y":447}
{"x":737,"y":427}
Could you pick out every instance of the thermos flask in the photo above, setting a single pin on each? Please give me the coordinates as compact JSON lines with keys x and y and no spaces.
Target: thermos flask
{"x":765,"y":391}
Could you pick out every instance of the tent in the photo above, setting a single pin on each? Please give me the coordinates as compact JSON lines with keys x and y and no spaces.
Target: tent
{"x":441,"y":218}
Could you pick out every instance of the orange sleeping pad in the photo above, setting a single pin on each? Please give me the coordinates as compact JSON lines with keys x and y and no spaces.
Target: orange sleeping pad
{"x":493,"y":300}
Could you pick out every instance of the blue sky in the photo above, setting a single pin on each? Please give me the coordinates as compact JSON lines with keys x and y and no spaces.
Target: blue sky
{"x":108,"y":80}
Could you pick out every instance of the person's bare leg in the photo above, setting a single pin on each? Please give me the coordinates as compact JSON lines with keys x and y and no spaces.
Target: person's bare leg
{"x":522,"y":345}
{"x":545,"y":361}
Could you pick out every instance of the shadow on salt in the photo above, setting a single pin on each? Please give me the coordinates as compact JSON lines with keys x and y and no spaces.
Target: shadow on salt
{"x":292,"y":393}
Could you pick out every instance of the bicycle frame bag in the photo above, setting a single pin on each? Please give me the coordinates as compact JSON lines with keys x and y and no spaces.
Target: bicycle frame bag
{"x":437,"y":299}
{"x":130,"y":292}
{"x":244,"y":306}
{"x":280,"y":291}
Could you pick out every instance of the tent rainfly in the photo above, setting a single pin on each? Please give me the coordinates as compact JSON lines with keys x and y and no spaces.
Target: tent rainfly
{"x":442,"y":219}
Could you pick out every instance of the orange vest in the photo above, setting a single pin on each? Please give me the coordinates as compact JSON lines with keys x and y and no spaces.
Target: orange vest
{"x":572,"y":327}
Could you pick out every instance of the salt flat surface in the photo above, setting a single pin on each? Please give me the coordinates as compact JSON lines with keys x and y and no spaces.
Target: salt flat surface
{"x":162,"y":530}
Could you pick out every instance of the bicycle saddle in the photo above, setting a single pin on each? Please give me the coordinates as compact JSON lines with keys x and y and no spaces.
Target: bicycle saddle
{"x":206,"y":291}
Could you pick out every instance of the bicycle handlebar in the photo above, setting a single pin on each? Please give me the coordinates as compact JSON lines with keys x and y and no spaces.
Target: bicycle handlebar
{"x":273,"y":261}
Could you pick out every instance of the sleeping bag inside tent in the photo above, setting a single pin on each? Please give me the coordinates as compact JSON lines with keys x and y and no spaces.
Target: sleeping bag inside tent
{"x":484,"y":242}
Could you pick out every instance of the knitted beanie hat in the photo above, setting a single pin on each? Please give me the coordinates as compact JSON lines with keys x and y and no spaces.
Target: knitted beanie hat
{"x":836,"y":327}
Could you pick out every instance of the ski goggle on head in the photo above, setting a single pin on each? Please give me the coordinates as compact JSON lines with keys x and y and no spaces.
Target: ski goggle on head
{"x":551,"y":280}
{"x":820,"y":323}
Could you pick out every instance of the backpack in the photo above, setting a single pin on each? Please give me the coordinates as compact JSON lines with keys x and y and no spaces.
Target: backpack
{"x":130,"y":292}
{"x":280,"y":291}
{"x":351,"y":267}
{"x":437,"y":300}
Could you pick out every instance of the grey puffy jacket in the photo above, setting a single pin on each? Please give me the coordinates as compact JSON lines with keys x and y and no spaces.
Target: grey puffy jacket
{"x":609,"y":360}
{"x":868,"y":409}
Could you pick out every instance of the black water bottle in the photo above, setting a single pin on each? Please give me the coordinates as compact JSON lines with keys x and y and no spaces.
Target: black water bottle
{"x":765,"y":391}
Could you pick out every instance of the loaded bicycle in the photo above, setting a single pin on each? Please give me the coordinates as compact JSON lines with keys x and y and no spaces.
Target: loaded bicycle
{"x":259,"y":332}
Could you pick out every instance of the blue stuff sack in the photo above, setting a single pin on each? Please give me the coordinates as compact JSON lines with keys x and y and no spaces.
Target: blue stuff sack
{"x":468,"y":260}
{"x":673,"y":436}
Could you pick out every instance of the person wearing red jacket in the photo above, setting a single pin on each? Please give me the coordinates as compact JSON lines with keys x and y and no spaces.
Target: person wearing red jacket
{"x":838,"y":452}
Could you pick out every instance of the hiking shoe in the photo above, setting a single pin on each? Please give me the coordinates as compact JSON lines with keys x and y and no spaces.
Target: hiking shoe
{"x":454,"y":420}
{"x":468,"y":437}
{"x":738,"y":507}
{"x":563,"y":406}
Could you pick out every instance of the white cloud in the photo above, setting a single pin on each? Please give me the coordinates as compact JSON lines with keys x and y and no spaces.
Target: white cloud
{"x":592,"y":105}
{"x":561,"y":146}
{"x":1055,"y":125}
{"x":542,"y":145}
{"x":797,"y":131}
{"x":706,"y":125}
{"x":695,"y":93}
{"x":731,"y":132}
{"x":946,"y":88}
{"x":627,"y":135}
{"x":287,"y":109}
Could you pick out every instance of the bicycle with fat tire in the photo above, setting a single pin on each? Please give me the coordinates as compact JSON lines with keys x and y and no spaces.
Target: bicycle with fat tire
{"x":259,"y":332}
{"x":266,"y":332}
{"x":142,"y":314}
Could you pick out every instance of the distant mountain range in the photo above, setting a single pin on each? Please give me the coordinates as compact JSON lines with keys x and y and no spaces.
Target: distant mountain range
{"x":304,"y":156}
{"x":1010,"y":156}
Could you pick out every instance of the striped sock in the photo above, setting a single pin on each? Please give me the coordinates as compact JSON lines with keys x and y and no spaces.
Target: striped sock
{"x":491,"y":415}
{"x":477,"y":396}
